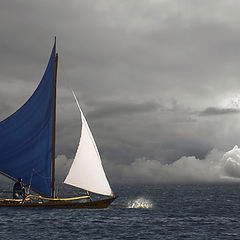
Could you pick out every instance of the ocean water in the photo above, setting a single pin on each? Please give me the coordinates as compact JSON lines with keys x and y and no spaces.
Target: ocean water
{"x":140,"y":212}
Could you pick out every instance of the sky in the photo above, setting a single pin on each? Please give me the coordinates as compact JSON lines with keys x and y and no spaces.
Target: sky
{"x":158,"y":81}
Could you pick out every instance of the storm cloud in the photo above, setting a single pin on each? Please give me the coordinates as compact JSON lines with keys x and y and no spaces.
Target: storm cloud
{"x":157,"y":80}
{"x":218,"y":111}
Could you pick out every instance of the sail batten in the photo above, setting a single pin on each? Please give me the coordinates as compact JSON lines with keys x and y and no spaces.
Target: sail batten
{"x":87,"y":171}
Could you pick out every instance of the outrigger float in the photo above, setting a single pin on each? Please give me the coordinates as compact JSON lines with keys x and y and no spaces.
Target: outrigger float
{"x":27,"y":150}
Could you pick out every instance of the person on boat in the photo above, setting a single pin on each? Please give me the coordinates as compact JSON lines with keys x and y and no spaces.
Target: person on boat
{"x":19,"y":190}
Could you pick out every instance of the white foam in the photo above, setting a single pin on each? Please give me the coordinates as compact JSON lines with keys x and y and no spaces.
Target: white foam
{"x":140,"y":203}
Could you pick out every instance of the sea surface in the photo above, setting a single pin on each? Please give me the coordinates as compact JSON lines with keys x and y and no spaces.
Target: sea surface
{"x":140,"y":212}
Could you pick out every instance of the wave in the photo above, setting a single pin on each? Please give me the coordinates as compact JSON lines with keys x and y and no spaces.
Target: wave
{"x":140,"y":203}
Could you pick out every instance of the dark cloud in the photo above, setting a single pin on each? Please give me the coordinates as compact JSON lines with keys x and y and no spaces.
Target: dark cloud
{"x":211,"y":111}
{"x":114,"y":109}
{"x":142,"y":71}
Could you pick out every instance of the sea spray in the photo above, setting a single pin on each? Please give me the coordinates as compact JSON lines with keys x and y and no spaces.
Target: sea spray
{"x":140,"y":203}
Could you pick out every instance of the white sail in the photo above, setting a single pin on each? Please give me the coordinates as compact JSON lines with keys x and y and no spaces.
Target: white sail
{"x":87,"y":171}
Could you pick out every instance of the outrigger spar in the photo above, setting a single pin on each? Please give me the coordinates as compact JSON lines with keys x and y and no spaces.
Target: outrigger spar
{"x":27,"y":148}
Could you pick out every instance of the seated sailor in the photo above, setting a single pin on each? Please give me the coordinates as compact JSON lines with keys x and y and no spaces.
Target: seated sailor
{"x":19,"y":190}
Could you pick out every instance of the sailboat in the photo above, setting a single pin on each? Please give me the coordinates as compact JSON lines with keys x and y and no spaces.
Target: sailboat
{"x":27,"y":151}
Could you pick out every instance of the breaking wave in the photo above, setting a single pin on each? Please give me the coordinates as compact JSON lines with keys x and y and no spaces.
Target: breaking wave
{"x":140,"y":203}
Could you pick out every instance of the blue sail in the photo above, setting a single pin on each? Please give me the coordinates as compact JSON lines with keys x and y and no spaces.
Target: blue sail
{"x":26,"y":137}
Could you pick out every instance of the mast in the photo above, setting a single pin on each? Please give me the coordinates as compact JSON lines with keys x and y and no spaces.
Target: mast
{"x":54,"y":126}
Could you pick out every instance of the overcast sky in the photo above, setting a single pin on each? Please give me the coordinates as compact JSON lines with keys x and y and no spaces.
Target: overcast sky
{"x":158,"y":80}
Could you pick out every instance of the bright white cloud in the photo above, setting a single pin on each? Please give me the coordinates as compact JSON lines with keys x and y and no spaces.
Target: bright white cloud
{"x":230,"y":163}
{"x":216,"y":167}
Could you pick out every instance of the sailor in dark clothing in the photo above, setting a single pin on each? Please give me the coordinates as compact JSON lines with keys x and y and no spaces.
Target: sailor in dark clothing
{"x":19,"y":190}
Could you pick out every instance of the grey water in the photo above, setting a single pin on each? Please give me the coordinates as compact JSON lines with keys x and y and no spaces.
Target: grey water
{"x":141,"y":212}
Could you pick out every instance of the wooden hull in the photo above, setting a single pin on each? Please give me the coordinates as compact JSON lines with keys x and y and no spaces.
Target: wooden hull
{"x":57,"y":203}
